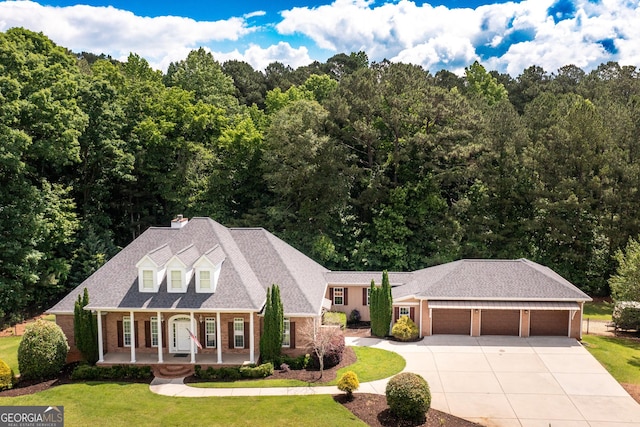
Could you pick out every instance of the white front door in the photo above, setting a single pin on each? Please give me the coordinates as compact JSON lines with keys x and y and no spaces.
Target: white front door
{"x":181,"y":342}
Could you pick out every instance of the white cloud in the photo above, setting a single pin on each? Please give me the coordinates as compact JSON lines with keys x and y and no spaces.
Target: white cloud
{"x":259,"y":58}
{"x":117,"y":32}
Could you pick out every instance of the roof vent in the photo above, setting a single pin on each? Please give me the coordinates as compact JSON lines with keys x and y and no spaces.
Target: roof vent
{"x":179,"y":221}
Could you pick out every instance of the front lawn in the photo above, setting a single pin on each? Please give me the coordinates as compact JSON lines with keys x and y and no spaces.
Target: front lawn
{"x":112,"y":404}
{"x":620,"y":356}
{"x":9,"y":351}
{"x":600,"y":310}
{"x":372,"y":364}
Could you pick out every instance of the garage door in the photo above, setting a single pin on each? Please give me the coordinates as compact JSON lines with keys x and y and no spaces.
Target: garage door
{"x":500,"y":322}
{"x":451,"y":321}
{"x":547,"y":322}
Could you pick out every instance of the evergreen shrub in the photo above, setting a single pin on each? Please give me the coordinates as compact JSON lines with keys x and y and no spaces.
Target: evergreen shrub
{"x":43,"y":350}
{"x":408,"y":396}
{"x":405,"y":329}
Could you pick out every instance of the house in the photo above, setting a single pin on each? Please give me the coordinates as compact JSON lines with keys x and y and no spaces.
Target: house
{"x":196,"y":291}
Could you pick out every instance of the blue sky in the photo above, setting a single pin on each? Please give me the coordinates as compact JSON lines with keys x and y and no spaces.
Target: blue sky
{"x":438,"y":34}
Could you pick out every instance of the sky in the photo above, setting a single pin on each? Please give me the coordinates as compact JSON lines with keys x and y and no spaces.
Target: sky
{"x":507,"y":36}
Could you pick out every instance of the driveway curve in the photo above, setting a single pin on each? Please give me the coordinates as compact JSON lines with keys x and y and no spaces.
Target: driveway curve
{"x":492,"y":380}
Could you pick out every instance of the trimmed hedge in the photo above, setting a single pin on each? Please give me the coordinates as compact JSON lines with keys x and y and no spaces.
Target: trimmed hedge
{"x":405,"y":329}
{"x":626,"y":315}
{"x":119,"y":372}
{"x":335,"y":318}
{"x":7,"y":378}
{"x":42,"y":352}
{"x":408,"y":396}
{"x":232,"y":373}
{"x":294,"y":363}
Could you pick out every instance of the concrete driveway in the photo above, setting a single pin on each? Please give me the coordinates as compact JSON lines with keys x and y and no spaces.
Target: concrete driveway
{"x":512,"y":381}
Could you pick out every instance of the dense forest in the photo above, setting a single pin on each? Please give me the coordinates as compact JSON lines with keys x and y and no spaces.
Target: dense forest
{"x":359,"y":165}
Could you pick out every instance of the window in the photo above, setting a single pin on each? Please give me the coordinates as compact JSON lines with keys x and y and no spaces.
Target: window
{"x":205,"y":279}
{"x":368,"y":296}
{"x":210,"y":332}
{"x":404,"y":311}
{"x":338,"y":296}
{"x":176,"y":279}
{"x":286,"y":333}
{"x":126,"y":331}
{"x":238,"y":332}
{"x":154,"y":332}
{"x":147,"y":279}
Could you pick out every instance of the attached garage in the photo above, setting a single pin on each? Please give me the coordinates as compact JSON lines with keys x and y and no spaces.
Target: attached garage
{"x":451,"y":321}
{"x":549,"y":322}
{"x":500,"y":322}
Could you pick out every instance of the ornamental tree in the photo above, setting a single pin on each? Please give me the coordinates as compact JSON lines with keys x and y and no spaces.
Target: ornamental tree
{"x":85,"y":329}
{"x":380,"y":305}
{"x":271,"y":339}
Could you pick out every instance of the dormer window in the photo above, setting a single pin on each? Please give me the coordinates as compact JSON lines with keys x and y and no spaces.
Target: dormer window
{"x":147,"y":280}
{"x":176,"y":280}
{"x":207,"y":270}
{"x":204,"y":279}
{"x":149,"y":274}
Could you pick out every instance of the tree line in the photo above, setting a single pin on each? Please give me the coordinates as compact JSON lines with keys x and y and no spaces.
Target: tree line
{"x":359,"y":165}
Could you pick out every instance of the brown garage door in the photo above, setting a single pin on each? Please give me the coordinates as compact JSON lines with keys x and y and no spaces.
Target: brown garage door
{"x":500,"y":322}
{"x":549,"y":322}
{"x":451,"y":321}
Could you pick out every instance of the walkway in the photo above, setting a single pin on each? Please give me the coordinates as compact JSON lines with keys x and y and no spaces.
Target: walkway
{"x":495,"y":381}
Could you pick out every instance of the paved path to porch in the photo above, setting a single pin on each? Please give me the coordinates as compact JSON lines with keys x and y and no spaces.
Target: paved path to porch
{"x":495,"y":381}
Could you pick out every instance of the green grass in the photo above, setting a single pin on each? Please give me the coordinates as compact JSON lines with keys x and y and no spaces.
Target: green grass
{"x":9,"y":351}
{"x":598,"y":310}
{"x":620,"y":356}
{"x":372,"y":364}
{"x":110,"y":404}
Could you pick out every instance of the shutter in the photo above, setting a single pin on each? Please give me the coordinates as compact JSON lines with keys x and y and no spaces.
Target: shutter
{"x":345,"y":291}
{"x":331,"y":295}
{"x":412,"y":313}
{"x":364,"y":296}
{"x":165,"y":342}
{"x":147,"y":333}
{"x":203,"y":333}
{"x":246,"y":334}
{"x":135,"y":325}
{"x":230,"y":330}
{"x":292,"y":334}
{"x":396,"y":313}
{"x":120,"y":332}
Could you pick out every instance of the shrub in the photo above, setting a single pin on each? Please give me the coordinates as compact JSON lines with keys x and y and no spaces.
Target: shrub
{"x":261,"y":371}
{"x":348,"y":383}
{"x":626,"y":315}
{"x":333,"y":354}
{"x":354,"y":316}
{"x":335,"y":318}
{"x":408,"y":396}
{"x":405,"y":329}
{"x":119,"y":372}
{"x":43,"y":351}
{"x":229,"y":373}
{"x":295,"y":363}
{"x":7,"y":378}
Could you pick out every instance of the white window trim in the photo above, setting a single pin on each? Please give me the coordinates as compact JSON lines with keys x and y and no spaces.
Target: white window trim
{"x":238,"y":333}
{"x":335,"y":296}
{"x":126,"y":322}
{"x":199,"y":280}
{"x":210,"y":321}
{"x":402,"y":308}
{"x":145,"y":280}
{"x":368,"y":297}
{"x":183,"y":285}
{"x":286,"y":333}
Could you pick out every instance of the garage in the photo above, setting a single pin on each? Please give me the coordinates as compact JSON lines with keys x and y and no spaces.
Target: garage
{"x":451,"y":321}
{"x":500,"y":322}
{"x":549,"y":322}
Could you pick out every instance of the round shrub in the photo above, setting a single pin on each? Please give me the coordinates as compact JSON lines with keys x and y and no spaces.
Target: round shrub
{"x":354,"y":316}
{"x":43,"y":350}
{"x":408,"y":396}
{"x":405,"y":329}
{"x":6,"y":376}
{"x":348,"y":383}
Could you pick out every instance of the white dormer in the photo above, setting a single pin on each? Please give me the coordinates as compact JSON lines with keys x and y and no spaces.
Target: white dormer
{"x":207,"y":270}
{"x":178,"y":276}
{"x":149,"y":275}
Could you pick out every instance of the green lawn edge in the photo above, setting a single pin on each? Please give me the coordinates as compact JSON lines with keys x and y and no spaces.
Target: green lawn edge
{"x":372,"y":364}
{"x":600,"y":310}
{"x":619,"y":356}
{"x":9,"y":351}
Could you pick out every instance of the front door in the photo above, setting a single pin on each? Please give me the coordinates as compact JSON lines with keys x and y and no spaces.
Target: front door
{"x":181,"y":342}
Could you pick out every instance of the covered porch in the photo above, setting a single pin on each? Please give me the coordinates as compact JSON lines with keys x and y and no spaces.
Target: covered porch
{"x":175,"y":359}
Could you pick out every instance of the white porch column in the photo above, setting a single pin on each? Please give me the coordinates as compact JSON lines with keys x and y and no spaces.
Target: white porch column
{"x":159,"y":319}
{"x":132,"y":328}
{"x":100,"y":345}
{"x":252,"y":357}
{"x":420,"y":334}
{"x":218,"y":337}
{"x":193,"y":344}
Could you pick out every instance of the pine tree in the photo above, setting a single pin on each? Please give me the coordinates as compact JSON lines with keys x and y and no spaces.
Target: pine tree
{"x":85,"y":329}
{"x":386,"y":304}
{"x":374,"y":309}
{"x":271,"y":339}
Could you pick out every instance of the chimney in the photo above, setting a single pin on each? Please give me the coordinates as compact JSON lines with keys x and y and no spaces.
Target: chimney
{"x":179,"y":221}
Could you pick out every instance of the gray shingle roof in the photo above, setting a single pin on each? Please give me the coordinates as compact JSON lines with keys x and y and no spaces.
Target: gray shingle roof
{"x":256,"y":260}
{"x":365,"y":277}
{"x":469,"y":279}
